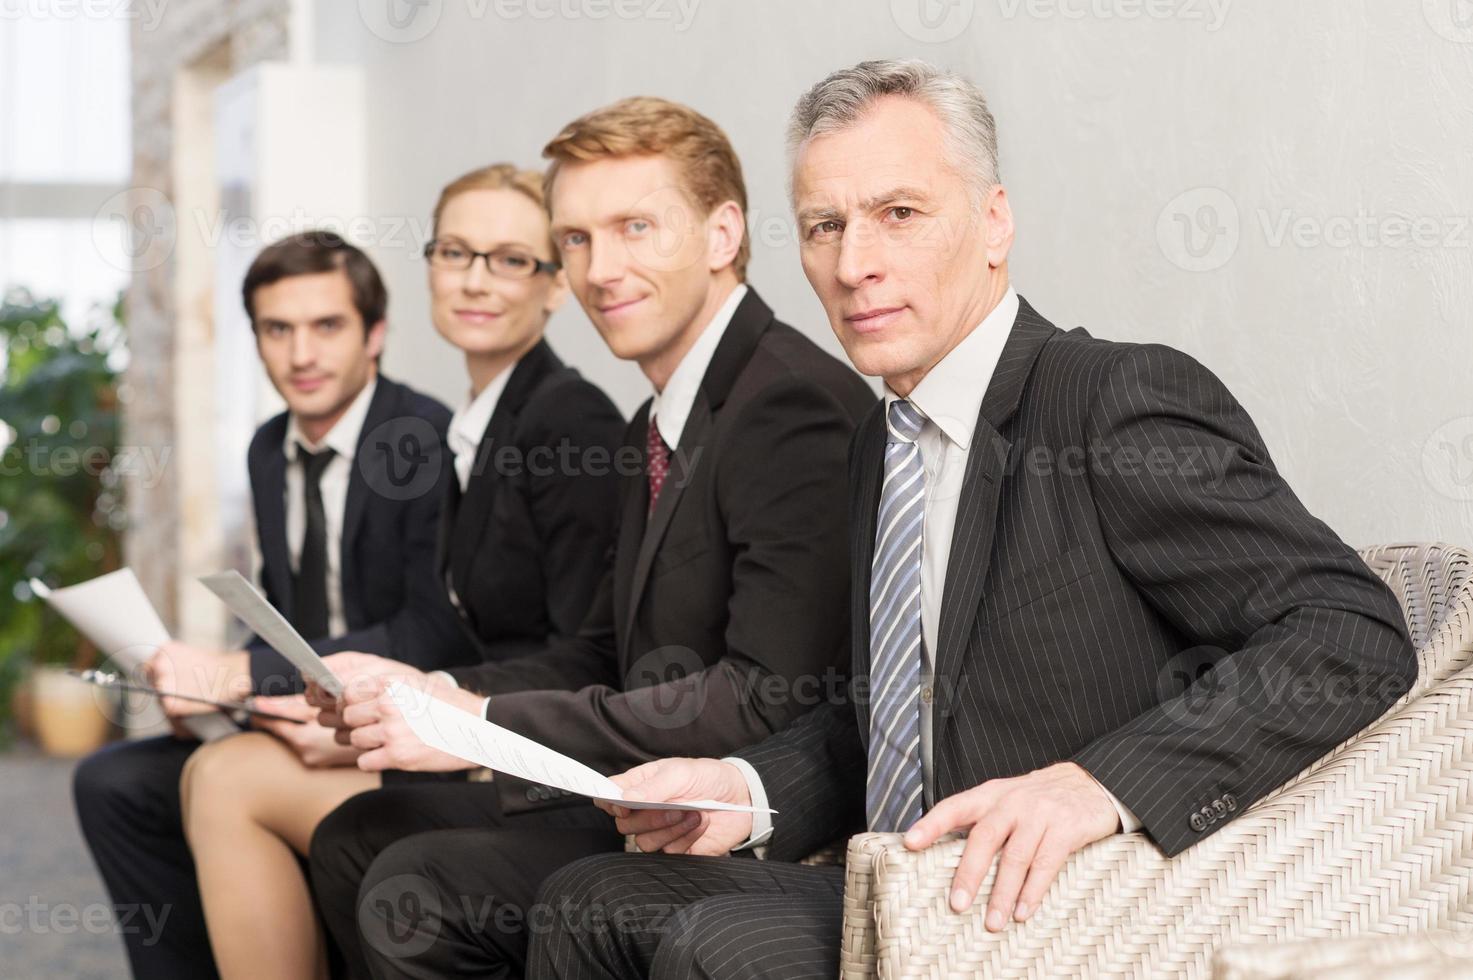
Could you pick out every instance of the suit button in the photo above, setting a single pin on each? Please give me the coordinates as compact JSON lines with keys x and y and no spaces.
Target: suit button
{"x":1199,"y":822}
{"x":926,"y":695}
{"x":1231,"y":801}
{"x":1221,"y":807}
{"x":531,"y":796}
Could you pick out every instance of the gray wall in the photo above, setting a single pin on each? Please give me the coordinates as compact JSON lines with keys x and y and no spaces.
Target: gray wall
{"x":1283,"y":190}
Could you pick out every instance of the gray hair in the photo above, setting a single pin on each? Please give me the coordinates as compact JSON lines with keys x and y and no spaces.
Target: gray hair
{"x":839,"y":100}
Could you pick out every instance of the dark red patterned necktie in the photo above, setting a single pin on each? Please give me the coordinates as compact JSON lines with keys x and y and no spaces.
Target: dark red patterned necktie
{"x":657,"y":463}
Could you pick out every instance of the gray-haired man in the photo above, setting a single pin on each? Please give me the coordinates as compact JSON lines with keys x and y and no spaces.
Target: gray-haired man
{"x":1048,"y":530}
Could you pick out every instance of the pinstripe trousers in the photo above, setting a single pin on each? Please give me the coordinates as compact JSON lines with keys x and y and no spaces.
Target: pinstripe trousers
{"x":673,"y":917}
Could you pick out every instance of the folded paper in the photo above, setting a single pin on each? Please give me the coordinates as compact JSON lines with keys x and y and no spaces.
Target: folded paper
{"x":461,"y":734}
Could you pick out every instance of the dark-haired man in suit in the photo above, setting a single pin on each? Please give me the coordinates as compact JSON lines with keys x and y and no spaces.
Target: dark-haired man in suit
{"x":1048,"y":532}
{"x":347,"y":485}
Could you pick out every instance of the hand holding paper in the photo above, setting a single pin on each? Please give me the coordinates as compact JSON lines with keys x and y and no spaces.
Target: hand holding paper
{"x":380,"y":731}
{"x":112,"y":611}
{"x":708,"y":834}
{"x":364,"y":677}
{"x":466,"y":736}
{"x":270,"y":625}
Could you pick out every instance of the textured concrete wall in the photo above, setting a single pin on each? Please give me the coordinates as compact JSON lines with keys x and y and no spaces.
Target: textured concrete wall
{"x":185,"y":33}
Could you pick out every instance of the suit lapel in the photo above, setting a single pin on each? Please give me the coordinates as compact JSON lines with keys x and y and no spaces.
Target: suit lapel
{"x":479,"y":500}
{"x":976,"y":515}
{"x":478,"y":503}
{"x":748,"y":323}
{"x":276,"y":567}
{"x":367,"y":459}
{"x":693,"y":441}
{"x":865,"y":476}
{"x":445,"y":536}
{"x":631,"y":532}
{"x":971,"y":551}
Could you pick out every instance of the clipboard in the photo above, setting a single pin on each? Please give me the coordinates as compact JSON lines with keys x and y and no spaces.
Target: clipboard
{"x":104,"y":679}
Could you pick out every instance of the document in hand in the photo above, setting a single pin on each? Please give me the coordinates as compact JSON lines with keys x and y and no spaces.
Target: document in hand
{"x":465,"y":736}
{"x":112,"y":611}
{"x":241,"y":598}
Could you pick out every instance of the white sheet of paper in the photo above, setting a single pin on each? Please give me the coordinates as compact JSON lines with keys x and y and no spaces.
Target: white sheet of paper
{"x":231,"y":588}
{"x":112,"y":611}
{"x":465,"y":736}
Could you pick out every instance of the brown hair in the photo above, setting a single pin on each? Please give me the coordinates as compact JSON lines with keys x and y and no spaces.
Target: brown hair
{"x":649,"y":126}
{"x":312,"y":252}
{"x":496,"y":177}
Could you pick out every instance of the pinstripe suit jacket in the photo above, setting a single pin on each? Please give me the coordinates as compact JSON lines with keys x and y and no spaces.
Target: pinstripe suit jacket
{"x":1131,"y":586}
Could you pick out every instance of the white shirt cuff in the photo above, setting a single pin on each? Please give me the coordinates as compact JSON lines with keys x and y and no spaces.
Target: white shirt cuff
{"x":761,"y":822}
{"x":1129,"y":822}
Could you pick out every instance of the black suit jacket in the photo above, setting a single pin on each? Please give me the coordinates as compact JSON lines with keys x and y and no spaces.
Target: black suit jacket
{"x":394,"y":603}
{"x":1132,"y":585}
{"x":720,"y":618}
{"x":525,"y":544}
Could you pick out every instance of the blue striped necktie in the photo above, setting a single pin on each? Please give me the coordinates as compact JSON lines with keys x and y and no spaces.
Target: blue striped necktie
{"x":893,"y":794}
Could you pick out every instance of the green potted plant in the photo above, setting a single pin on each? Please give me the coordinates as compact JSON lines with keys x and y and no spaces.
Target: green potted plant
{"x":61,"y":509}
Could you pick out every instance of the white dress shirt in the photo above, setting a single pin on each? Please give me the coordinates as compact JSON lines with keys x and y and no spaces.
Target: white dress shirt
{"x":342,"y":438}
{"x":672,"y":405}
{"x":468,"y":425}
{"x":950,"y":397}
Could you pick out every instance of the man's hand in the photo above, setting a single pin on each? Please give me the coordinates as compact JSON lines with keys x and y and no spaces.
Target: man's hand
{"x":683,"y":831}
{"x":364,"y":677}
{"x":388,"y":742}
{"x":200,"y":672}
{"x":1034,"y":822}
{"x":313,"y":744}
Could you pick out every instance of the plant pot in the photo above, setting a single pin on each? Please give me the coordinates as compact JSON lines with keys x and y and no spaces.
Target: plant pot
{"x":71,"y":716}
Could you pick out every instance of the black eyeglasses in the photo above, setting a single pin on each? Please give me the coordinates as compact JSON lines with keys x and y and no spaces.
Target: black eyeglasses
{"x":508,"y":264}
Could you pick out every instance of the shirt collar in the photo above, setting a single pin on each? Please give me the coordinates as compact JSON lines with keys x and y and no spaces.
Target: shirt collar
{"x":951,"y":393}
{"x":468,"y":425}
{"x":342,"y":438}
{"x":673,"y":405}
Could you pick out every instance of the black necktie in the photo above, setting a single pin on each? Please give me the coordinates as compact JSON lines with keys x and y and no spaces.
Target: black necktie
{"x":309,"y":598}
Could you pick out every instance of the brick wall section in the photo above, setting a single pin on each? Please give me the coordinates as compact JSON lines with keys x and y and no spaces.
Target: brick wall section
{"x":245,"y":32}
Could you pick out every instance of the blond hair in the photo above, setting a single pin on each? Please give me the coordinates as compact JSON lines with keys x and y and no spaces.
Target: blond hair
{"x":496,"y":177}
{"x":649,"y":126}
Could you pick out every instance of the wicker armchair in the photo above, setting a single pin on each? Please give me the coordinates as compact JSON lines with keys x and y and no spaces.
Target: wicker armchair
{"x":1374,"y":838}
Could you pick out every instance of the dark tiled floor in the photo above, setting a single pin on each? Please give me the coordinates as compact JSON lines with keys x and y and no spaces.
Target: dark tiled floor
{"x":55,"y":920}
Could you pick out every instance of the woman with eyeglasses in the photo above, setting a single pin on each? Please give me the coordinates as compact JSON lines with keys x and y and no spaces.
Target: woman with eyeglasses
{"x":528,"y":518}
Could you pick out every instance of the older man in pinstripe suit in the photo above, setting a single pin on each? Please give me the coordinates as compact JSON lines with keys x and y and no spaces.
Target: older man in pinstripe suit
{"x":1085,"y":601}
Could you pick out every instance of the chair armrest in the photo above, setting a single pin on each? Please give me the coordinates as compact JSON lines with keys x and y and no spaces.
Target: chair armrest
{"x":1376,"y":838}
{"x":1437,"y":955}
